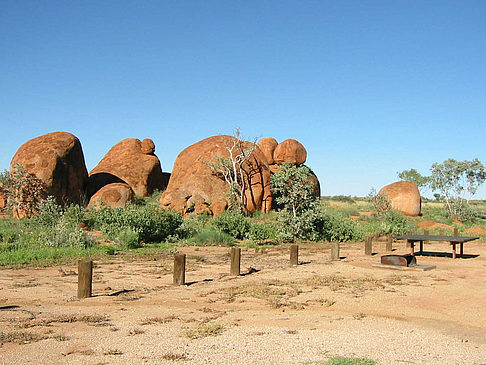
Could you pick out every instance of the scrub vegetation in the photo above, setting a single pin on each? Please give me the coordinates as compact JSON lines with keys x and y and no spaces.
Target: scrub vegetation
{"x":53,"y":234}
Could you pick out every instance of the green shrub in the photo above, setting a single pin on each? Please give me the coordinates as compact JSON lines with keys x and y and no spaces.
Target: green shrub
{"x":58,"y":227}
{"x":191,"y":225}
{"x":460,"y":209}
{"x":232,"y":223}
{"x":262,"y":231}
{"x":306,"y":226}
{"x":150,"y":223}
{"x":127,"y":238}
{"x":393,"y":222}
{"x":212,"y":237}
{"x":335,"y":227}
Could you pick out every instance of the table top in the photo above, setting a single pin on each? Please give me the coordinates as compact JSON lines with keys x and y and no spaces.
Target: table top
{"x":422,"y":237}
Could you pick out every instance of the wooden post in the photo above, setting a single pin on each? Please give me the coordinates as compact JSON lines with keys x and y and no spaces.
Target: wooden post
{"x":85,"y":278}
{"x":426,"y":233}
{"x":294,"y":255}
{"x":179,"y":269}
{"x":368,"y":245}
{"x":441,"y":232}
{"x":389,"y":243}
{"x":456,"y":232}
{"x":335,"y":250}
{"x":235,"y":257}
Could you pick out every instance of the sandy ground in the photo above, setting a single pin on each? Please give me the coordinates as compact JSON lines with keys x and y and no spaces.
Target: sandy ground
{"x":275,"y":314}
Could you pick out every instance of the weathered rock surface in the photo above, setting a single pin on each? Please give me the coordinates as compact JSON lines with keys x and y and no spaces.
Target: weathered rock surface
{"x":404,"y":196}
{"x":57,"y":159}
{"x":267,"y":146}
{"x":112,"y":195}
{"x":132,"y":162}
{"x":290,"y":151}
{"x":193,"y":186}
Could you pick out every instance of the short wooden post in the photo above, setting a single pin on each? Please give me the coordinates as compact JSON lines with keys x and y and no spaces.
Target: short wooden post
{"x":335,"y":250}
{"x":426,"y":233}
{"x":389,"y":243}
{"x":441,"y":232}
{"x":368,"y":245}
{"x":235,"y":257}
{"x":456,"y":232}
{"x":179,"y":269}
{"x":85,"y":278}
{"x":294,"y":255}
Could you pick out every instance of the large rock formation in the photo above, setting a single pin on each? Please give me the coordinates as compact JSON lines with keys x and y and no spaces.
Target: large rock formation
{"x":132,"y":162}
{"x":404,"y":196}
{"x":194,"y":186}
{"x":56,"y":159}
{"x":112,"y":195}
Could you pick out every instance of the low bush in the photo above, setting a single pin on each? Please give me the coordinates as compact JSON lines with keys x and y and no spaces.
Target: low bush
{"x":232,"y":223}
{"x":150,"y":223}
{"x":212,"y":237}
{"x":259,"y":232}
{"x":335,"y":227}
{"x":393,"y":222}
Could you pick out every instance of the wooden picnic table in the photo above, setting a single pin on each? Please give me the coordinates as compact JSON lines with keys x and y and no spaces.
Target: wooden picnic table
{"x":453,"y":240}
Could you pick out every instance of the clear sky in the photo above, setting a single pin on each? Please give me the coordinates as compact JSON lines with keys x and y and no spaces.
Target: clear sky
{"x":368,"y":87}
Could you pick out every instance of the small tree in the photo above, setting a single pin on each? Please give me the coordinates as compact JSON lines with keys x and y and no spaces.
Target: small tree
{"x":233,"y":169}
{"x":24,"y":191}
{"x":457,"y":182}
{"x":414,"y":176}
{"x":293,"y":191}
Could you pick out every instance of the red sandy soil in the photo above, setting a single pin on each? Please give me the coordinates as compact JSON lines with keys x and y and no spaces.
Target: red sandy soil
{"x":274,"y":314}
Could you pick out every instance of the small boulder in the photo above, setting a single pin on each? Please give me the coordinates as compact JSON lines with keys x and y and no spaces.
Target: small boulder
{"x":132,"y":162}
{"x":404,"y":196}
{"x":57,"y":159}
{"x":290,"y":151}
{"x":112,"y":195}
{"x":267,"y":146}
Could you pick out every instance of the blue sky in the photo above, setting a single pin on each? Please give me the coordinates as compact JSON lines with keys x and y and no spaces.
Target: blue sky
{"x":368,"y":87}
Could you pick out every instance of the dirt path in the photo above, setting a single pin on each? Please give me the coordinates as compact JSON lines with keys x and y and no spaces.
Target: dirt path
{"x":275,"y":314}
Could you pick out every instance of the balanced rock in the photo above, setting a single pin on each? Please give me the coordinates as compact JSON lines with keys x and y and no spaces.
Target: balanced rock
{"x":132,"y":162}
{"x":195,"y":187}
{"x":112,"y":195}
{"x":290,"y":151}
{"x":57,"y":159}
{"x":267,"y":146}
{"x":404,"y":196}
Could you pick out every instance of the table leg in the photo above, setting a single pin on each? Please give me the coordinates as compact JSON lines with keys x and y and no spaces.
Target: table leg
{"x":462,"y":249}
{"x":453,"y":250}
{"x":412,"y":244}
{"x":422,"y":247}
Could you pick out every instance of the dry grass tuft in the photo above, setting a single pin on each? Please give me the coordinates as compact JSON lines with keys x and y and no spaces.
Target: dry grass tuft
{"x":136,"y":331}
{"x":21,"y":337}
{"x":158,"y":320}
{"x":112,"y":352}
{"x":174,"y":357}
{"x":204,"y":330}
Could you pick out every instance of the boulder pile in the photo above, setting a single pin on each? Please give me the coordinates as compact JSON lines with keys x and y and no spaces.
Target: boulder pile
{"x":195,"y":187}
{"x":131,"y":162}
